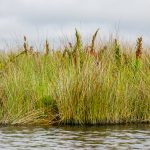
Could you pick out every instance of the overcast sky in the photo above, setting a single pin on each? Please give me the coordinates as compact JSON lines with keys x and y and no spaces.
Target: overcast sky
{"x":56,"y":18}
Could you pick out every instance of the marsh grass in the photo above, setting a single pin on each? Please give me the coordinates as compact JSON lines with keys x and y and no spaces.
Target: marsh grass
{"x":75,"y":87}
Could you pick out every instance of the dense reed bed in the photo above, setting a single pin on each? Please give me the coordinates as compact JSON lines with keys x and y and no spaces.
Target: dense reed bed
{"x":78,"y":84}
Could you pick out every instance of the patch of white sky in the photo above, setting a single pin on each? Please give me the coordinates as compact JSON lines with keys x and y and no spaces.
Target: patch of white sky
{"x":57,"y":20}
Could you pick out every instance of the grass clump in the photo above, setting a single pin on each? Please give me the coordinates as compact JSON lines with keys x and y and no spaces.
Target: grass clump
{"x":73,"y":87}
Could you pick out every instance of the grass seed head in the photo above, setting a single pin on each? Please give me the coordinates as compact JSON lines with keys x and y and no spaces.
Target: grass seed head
{"x":117,"y":52}
{"x":93,"y":40}
{"x":78,"y":45}
{"x":25,"y":45}
{"x":139,"y":48}
{"x":46,"y":48}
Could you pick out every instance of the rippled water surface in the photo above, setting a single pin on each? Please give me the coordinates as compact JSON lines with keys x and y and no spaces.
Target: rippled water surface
{"x":100,"y":137}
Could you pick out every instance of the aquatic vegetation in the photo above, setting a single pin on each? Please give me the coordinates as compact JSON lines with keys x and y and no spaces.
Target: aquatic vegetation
{"x":80,"y":84}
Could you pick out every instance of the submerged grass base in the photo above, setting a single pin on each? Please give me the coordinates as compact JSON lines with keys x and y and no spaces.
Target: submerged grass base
{"x":76,"y":85}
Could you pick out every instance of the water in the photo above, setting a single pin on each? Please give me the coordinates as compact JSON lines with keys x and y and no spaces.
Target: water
{"x":101,"y":137}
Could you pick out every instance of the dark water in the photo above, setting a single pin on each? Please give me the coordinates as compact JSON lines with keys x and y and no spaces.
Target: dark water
{"x":101,"y":137}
